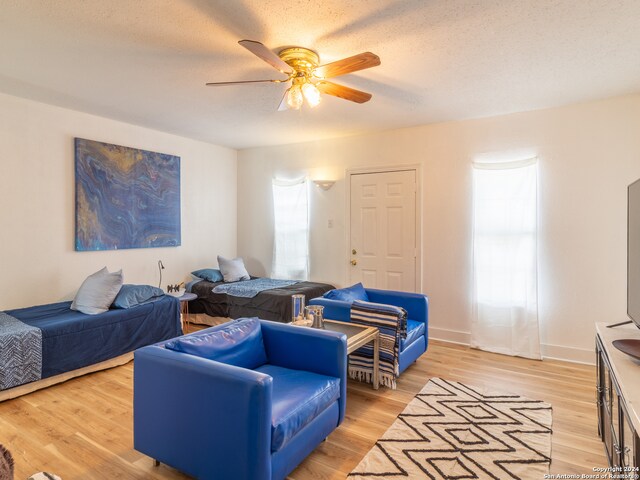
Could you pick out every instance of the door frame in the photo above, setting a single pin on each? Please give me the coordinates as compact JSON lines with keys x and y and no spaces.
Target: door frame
{"x":417,"y":168}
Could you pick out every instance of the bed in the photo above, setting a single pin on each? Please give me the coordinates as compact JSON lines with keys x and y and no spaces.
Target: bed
{"x":70,"y":341}
{"x":272,"y":304}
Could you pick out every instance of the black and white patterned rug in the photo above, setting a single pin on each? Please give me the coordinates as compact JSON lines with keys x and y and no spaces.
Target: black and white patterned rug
{"x":454,"y":431}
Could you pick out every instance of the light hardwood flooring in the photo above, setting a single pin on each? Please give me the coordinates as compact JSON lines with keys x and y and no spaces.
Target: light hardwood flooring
{"x":82,"y":429}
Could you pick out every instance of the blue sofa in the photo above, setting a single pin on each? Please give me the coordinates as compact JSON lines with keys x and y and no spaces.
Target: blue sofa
{"x":249,"y":399}
{"x":416,"y":305}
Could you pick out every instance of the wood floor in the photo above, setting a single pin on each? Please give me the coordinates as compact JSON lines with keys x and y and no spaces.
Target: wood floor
{"x":82,"y":429}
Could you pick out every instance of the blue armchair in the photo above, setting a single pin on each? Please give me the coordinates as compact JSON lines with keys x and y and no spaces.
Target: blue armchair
{"x":416,"y":305}
{"x":249,"y":399}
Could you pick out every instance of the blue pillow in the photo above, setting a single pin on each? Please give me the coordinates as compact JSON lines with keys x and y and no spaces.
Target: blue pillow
{"x":236,"y":343}
{"x":349,"y":294}
{"x":209,"y":274}
{"x":132,"y":295}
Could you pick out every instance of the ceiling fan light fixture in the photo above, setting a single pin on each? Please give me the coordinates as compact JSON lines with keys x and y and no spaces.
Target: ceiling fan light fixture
{"x":311,"y":94}
{"x":295,"y":98}
{"x":306,"y":76}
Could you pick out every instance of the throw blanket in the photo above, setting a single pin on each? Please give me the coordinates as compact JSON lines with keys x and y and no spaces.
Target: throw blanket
{"x":251,"y":288}
{"x":392,"y":324}
{"x":20,"y":352}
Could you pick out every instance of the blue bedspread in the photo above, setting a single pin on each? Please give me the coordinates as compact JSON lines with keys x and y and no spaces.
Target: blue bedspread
{"x":250,"y":288}
{"x":72,"y":340}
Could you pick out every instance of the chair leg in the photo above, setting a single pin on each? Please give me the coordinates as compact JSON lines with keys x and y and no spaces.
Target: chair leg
{"x":156,"y":463}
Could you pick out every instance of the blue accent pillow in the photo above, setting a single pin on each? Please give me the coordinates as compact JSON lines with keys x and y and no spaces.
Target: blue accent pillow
{"x":132,"y":295}
{"x":237,"y":343}
{"x":349,"y":294}
{"x":233,"y":270}
{"x":97,"y":292}
{"x":210,"y":274}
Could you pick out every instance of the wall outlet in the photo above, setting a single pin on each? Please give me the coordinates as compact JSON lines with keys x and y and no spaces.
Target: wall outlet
{"x":330,"y":223}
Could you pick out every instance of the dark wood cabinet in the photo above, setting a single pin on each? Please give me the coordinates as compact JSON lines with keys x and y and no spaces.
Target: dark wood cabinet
{"x":618,"y":377}
{"x":628,"y":440}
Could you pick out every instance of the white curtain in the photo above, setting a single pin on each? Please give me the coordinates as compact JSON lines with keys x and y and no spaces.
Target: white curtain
{"x":291,"y":229}
{"x":505,"y":293}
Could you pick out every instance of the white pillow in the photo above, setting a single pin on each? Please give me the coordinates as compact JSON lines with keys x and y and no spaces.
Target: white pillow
{"x":97,"y":292}
{"x":233,"y":270}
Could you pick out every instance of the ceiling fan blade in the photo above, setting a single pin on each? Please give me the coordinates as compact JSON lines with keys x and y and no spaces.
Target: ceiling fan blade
{"x":347,"y":65}
{"x":283,"y":103}
{"x":219,"y":84}
{"x":267,"y":55}
{"x":343,"y":92}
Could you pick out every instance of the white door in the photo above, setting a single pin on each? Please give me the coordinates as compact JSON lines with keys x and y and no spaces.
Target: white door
{"x":383,"y":230}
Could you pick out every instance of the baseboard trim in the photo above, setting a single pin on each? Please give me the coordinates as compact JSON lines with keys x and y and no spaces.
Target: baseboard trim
{"x":451,"y":336}
{"x":552,"y":352}
{"x":569,"y":354}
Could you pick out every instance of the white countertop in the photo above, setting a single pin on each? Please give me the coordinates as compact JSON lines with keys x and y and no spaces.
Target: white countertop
{"x":626,"y":369}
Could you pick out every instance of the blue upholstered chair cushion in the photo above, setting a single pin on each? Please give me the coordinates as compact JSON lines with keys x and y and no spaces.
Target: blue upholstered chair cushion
{"x":415,"y":330}
{"x":233,"y":270}
{"x":238,"y":343}
{"x":349,"y":294}
{"x":297,"y":398}
{"x":132,"y":295}
{"x":210,"y":274}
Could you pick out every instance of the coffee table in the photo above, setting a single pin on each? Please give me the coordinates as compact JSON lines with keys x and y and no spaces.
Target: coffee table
{"x":357,"y":336}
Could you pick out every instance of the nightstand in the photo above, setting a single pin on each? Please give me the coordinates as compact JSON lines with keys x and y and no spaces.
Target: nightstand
{"x":185,"y":298}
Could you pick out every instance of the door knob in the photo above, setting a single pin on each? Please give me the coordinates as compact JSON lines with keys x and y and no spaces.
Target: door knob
{"x":354,"y":262}
{"x":353,"y":252}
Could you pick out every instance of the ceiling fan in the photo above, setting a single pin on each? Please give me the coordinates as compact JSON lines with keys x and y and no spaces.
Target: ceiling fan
{"x":307,"y":77}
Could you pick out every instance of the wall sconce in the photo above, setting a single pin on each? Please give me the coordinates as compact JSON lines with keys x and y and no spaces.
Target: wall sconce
{"x":324,"y":184}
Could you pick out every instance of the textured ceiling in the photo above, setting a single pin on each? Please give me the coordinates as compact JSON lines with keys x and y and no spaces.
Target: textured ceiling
{"x":146,"y":61}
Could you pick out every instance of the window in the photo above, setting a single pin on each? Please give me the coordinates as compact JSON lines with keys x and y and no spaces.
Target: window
{"x":505,"y":310}
{"x":291,"y":229}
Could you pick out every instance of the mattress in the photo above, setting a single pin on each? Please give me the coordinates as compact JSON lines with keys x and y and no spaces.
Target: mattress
{"x":274,"y":304}
{"x":72,"y":340}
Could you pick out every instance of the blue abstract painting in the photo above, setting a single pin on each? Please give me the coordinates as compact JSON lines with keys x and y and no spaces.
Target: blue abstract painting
{"x":125,"y":197}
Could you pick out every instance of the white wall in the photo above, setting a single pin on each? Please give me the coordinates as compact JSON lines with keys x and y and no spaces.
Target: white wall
{"x":38,"y":263}
{"x":588,"y":154}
